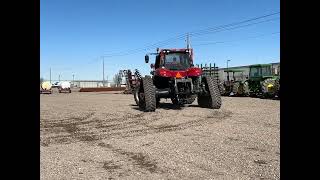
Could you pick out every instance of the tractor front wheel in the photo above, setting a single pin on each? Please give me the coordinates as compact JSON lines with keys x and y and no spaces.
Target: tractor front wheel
{"x":268,"y":88}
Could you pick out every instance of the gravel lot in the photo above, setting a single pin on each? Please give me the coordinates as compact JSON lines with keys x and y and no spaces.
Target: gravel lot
{"x":103,"y":135}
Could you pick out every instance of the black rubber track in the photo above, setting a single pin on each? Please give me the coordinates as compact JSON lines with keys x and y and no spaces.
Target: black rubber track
{"x":213,"y":99}
{"x":149,"y":94}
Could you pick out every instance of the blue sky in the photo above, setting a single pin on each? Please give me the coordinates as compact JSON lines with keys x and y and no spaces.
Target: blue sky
{"x":74,"y":34}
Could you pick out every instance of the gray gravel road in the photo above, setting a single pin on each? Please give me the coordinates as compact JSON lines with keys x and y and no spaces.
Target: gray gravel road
{"x":105,"y":136}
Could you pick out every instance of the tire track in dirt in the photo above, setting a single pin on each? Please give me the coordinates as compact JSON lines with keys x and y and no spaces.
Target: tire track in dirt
{"x":91,"y":128}
{"x":139,"y":160}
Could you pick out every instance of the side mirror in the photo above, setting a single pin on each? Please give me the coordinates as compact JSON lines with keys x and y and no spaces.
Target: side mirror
{"x":146,"y":58}
{"x":152,"y":66}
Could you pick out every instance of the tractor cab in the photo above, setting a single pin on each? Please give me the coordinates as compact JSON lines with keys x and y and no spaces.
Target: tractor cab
{"x":173,"y":63}
{"x":174,"y":60}
{"x":234,"y":83}
{"x":260,"y":71}
{"x":232,"y":73}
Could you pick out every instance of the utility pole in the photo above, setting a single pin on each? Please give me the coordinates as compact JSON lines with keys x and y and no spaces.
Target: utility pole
{"x":73,"y":79}
{"x":50,"y":75}
{"x":59,"y":77}
{"x":228,"y":69}
{"x":188,"y":41}
{"x":103,"y":69}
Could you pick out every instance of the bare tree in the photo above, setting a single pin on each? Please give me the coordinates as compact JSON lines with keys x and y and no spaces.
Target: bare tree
{"x":117,"y":79}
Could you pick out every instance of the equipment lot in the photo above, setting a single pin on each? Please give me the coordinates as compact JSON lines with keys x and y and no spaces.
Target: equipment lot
{"x":103,"y":135}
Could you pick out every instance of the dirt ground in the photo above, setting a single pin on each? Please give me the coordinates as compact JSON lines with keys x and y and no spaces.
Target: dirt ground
{"x":103,"y":135}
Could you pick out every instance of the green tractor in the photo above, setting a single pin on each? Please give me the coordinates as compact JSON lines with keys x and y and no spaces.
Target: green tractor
{"x":262,"y":83}
{"x":277,"y":83}
{"x":236,"y":86}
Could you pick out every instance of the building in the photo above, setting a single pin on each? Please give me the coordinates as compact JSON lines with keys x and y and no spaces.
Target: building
{"x":86,"y":83}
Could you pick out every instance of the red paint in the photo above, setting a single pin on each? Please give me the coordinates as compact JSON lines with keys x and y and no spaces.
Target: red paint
{"x":163,"y":72}
{"x":188,"y":72}
{"x":194,"y":71}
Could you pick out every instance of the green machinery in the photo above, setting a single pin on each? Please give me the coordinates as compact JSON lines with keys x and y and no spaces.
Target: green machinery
{"x":261,"y":81}
{"x":236,"y":86}
{"x":277,"y":83}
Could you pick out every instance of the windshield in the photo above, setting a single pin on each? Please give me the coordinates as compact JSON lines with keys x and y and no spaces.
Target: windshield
{"x":260,"y":71}
{"x":177,"y":61}
{"x":266,"y":71}
{"x":255,"y":71}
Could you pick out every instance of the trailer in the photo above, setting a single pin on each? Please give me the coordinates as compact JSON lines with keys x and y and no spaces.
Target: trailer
{"x":65,"y":87}
{"x":45,"y":88}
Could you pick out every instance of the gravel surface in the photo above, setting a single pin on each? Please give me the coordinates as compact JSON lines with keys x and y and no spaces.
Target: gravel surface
{"x":103,"y":135}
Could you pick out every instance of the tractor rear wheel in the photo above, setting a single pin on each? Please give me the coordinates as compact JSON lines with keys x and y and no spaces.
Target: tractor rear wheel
{"x":240,"y":89}
{"x":212,"y":99}
{"x":235,"y":88}
{"x":222,"y":89}
{"x":246,"y":90}
{"x":147,"y":95}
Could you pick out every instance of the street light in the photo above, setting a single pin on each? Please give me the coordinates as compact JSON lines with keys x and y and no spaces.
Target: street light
{"x":227,"y":63}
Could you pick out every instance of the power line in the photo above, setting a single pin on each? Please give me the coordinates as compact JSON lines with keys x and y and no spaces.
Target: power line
{"x":237,"y":23}
{"x":237,"y":27}
{"x":195,"y":33}
{"x":217,"y":42}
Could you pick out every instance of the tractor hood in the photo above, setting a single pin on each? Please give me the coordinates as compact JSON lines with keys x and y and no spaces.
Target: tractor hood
{"x":193,"y":71}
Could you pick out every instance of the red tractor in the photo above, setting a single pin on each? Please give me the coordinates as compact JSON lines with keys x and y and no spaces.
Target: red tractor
{"x":175,"y":77}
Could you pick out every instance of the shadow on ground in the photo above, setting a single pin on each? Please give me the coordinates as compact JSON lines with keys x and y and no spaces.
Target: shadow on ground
{"x":166,"y":106}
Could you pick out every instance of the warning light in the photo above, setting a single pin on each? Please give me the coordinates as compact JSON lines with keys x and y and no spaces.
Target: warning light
{"x":178,"y":75}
